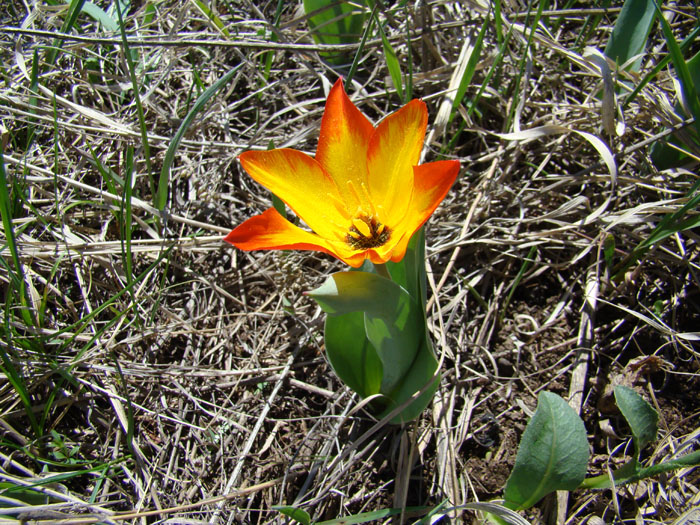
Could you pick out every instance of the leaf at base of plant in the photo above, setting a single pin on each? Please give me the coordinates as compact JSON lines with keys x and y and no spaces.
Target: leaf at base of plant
{"x":552,"y":455}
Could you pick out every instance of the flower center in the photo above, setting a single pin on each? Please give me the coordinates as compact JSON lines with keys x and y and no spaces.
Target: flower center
{"x":367,"y":232}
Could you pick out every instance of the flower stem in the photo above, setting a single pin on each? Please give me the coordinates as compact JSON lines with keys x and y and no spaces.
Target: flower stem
{"x":382,"y":270}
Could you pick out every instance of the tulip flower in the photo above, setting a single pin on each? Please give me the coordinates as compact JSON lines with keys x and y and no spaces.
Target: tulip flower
{"x":363,"y":196}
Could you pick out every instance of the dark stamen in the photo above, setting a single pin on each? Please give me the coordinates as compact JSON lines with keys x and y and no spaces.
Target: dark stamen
{"x":378,"y":235}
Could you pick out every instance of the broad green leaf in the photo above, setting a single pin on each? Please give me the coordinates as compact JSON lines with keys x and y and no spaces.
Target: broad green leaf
{"x":95,"y":12}
{"x":641,"y":417}
{"x":296,"y":514}
{"x":334,"y":22}
{"x":350,"y":353}
{"x":393,"y":321}
{"x":422,"y":371}
{"x":629,"y":36}
{"x":164,"y":181}
{"x":410,"y":272}
{"x":553,"y":454}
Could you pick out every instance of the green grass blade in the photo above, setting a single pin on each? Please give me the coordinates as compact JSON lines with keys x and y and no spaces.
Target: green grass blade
{"x":17,"y":276}
{"x":360,"y":49}
{"x":498,"y":21}
{"x":515,"y":90}
{"x":137,"y":100}
{"x":521,"y":273}
{"x":161,"y":197}
{"x":33,"y":100}
{"x":392,"y":62}
{"x":127,"y":228}
{"x":212,"y":17}
{"x":468,"y":75}
{"x":692,"y":36}
{"x":73,"y":11}
{"x":679,"y":63}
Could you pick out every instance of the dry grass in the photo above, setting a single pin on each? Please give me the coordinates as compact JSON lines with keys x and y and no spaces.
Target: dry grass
{"x":194,"y":388}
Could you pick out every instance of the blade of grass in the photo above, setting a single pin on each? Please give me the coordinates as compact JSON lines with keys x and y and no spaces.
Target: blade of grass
{"x":392,"y":62}
{"x":468,"y":75}
{"x":498,"y":21}
{"x":17,"y":276}
{"x":360,"y":48}
{"x":686,"y":79}
{"x":33,"y":100}
{"x":126,"y":227}
{"x":409,"y":58}
{"x":79,"y":327}
{"x":684,"y":46}
{"x":267,"y":57}
{"x":515,"y":89}
{"x":8,"y":368}
{"x":68,"y":22}
{"x":161,"y":196}
{"x":212,"y":17}
{"x":523,"y":268}
{"x":137,"y":100}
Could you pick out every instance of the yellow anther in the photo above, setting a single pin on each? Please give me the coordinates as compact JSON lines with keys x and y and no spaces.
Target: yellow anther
{"x":362,"y":227}
{"x":380,"y":229}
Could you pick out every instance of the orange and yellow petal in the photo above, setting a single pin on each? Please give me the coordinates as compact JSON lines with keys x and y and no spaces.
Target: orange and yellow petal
{"x":302,"y":184}
{"x":431,"y":183}
{"x":394,"y":149}
{"x":343,"y":142}
{"x":271,"y":231}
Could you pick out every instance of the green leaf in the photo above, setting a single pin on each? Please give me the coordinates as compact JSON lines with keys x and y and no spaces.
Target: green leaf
{"x":553,"y":454}
{"x":351,"y":355}
{"x":684,"y":75}
{"x":164,"y":181}
{"x":469,"y":71}
{"x":74,"y":9}
{"x":641,"y":417}
{"x":103,"y":18}
{"x":334,"y":22}
{"x":629,"y":36}
{"x":422,"y":371}
{"x":410,"y":272}
{"x":393,"y":321}
{"x":213,"y":17}
{"x":299,"y":515}
{"x":373,"y":515}
{"x":609,"y":250}
{"x":631,"y":471}
{"x":392,"y":62}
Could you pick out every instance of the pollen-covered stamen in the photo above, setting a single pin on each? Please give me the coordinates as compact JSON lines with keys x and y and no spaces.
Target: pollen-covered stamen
{"x":367,"y":232}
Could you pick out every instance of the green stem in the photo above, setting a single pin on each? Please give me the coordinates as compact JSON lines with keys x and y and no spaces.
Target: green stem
{"x":382,"y":270}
